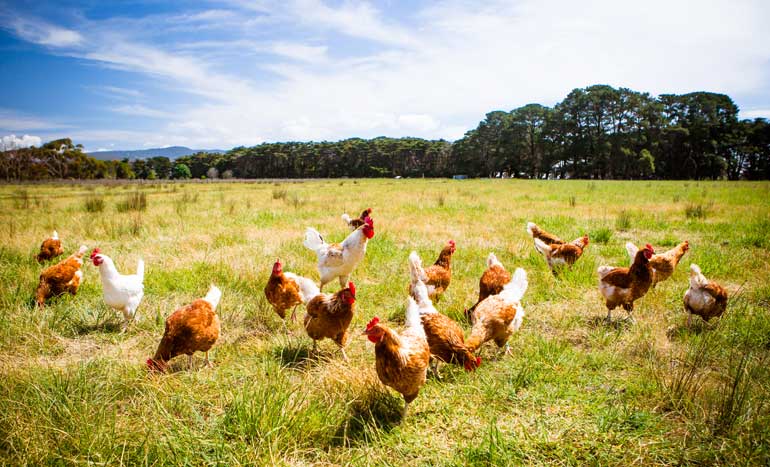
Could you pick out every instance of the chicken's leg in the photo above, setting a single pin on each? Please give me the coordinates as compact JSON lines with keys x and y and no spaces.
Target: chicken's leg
{"x":344,"y":355}
{"x":189,"y":362}
{"x":294,"y":314}
{"x":403,"y":411}
{"x":208,"y":362}
{"x":344,"y":280}
{"x":689,"y":320}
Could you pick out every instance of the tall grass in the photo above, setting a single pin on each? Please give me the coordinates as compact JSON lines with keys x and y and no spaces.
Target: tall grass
{"x":136,"y":201}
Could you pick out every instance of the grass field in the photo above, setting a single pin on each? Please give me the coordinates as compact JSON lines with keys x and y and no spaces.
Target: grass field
{"x":577,"y":391}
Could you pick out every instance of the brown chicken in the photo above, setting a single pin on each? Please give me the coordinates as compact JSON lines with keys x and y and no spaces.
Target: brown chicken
{"x":437,"y":277}
{"x":536,"y":232}
{"x":356,"y":223}
{"x":50,"y":248}
{"x":329,"y":316}
{"x":563,"y":253}
{"x":445,"y":337}
{"x":285,"y":290}
{"x":401,"y":359}
{"x":192,"y":328}
{"x":704,"y":298}
{"x":491,"y":283}
{"x":447,"y":342}
{"x":63,"y":277}
{"x":498,"y":316}
{"x":623,"y":286}
{"x":663,"y":264}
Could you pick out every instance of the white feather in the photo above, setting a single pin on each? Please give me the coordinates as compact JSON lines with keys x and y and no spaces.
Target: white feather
{"x":493,"y":261}
{"x":307,"y":288}
{"x":632,"y":250}
{"x":531,"y":226}
{"x":514,"y":290}
{"x":213,"y":296}
{"x":55,"y":235}
{"x":542,"y":248}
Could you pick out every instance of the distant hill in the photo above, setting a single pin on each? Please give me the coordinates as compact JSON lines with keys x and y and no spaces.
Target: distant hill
{"x":172,"y":152}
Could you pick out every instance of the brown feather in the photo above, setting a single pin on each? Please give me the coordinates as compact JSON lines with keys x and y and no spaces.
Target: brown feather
{"x":192,"y":328}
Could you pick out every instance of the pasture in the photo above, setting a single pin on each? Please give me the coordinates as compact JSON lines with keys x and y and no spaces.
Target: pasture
{"x":576,"y":391}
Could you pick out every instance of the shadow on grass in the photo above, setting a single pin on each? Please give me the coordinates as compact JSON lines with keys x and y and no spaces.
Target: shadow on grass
{"x":679,"y":332}
{"x":297,"y":356}
{"x":618,"y":324}
{"x":375,"y":411}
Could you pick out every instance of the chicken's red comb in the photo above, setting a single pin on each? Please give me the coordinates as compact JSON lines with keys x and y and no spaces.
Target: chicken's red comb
{"x":95,"y":252}
{"x":648,"y":247}
{"x":452,"y":243}
{"x":368,"y":220}
{"x":478,"y":362}
{"x":372,"y":323}
{"x":352,"y":288}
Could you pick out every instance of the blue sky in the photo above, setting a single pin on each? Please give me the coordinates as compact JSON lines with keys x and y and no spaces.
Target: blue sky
{"x":218,"y":74}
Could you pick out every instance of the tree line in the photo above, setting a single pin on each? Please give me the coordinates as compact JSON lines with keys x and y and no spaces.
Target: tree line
{"x":598,"y":132}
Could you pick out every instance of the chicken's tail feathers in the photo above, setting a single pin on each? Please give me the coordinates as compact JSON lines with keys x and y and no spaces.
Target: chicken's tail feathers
{"x":514,"y":290}
{"x":308,"y":289}
{"x":604,"y":270}
{"x":81,"y":251}
{"x":423,"y":300}
{"x":542,"y":247}
{"x":213,"y":296}
{"x":493,"y":261}
{"x":55,"y":235}
{"x":140,"y":269}
{"x":413,"y":320}
{"x":346,"y":218}
{"x":519,"y":318}
{"x":532,"y":229}
{"x":313,"y":239}
{"x":416,"y":272}
{"x":697,"y":277}
{"x":632,"y":250}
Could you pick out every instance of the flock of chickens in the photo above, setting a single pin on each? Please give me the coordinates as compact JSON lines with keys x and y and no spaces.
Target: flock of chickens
{"x":402,"y":357}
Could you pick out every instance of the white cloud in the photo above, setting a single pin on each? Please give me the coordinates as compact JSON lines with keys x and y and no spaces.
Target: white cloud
{"x":142,"y":111}
{"x":10,"y":120}
{"x":45,"y":34}
{"x":434,"y":74}
{"x":16,"y":142}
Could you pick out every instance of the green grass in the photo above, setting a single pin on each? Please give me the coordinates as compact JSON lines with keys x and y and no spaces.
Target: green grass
{"x":575,"y":392}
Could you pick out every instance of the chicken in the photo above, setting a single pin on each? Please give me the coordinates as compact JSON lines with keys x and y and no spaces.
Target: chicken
{"x":497,"y":317}
{"x":192,"y":328}
{"x":559,"y":254}
{"x":329,"y":316}
{"x":536,"y":232}
{"x":623,"y":286}
{"x":121,"y":292}
{"x":401,"y":359}
{"x":63,"y":277}
{"x":356,"y":223}
{"x":436,"y":278}
{"x":445,"y":337}
{"x":663,"y":264}
{"x":491,"y":283}
{"x":338,"y":260}
{"x":50,"y":248}
{"x":704,"y":298}
{"x":285,"y":290}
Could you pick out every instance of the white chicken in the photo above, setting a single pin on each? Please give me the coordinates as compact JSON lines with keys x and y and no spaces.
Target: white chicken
{"x":121,"y":292}
{"x":337,"y":260}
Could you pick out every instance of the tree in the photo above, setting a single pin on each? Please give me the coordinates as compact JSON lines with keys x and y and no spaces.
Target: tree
{"x":181,"y":171}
